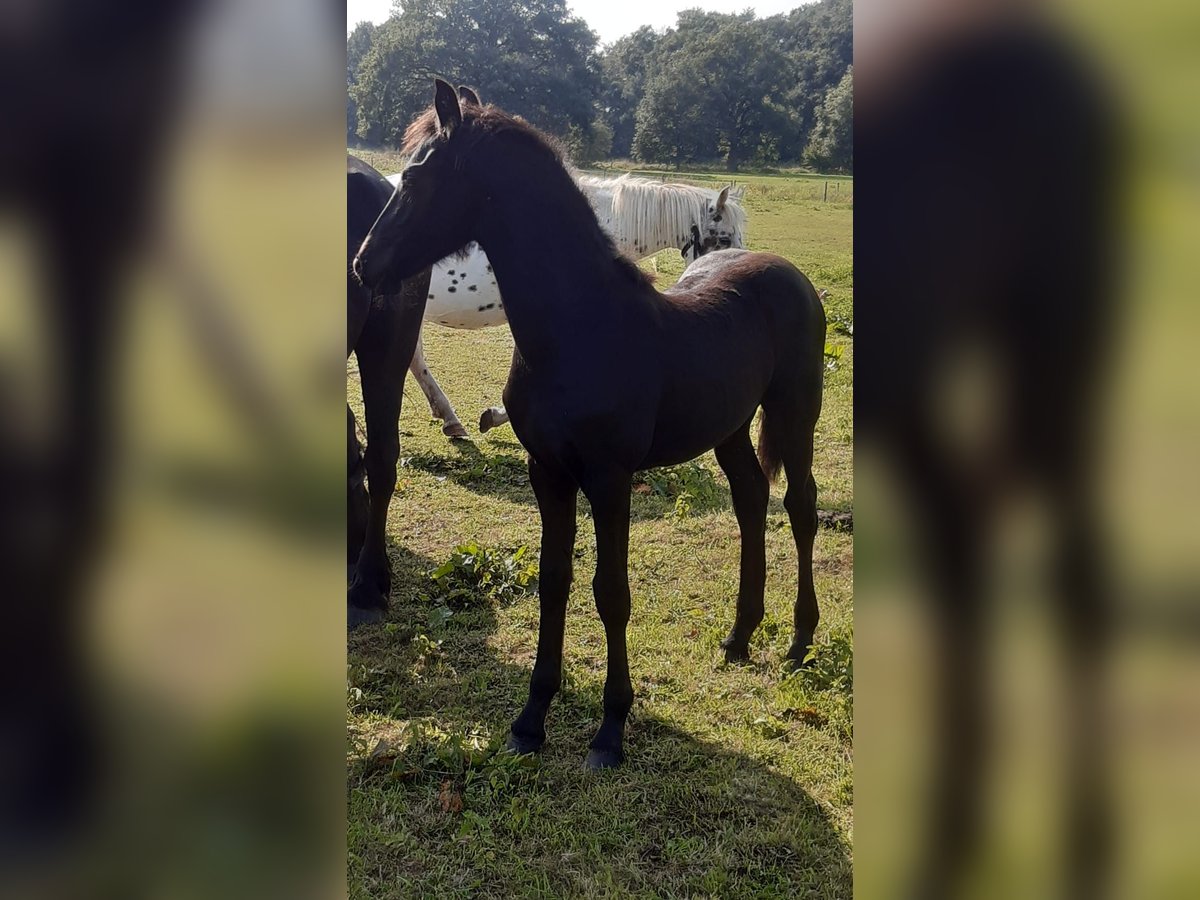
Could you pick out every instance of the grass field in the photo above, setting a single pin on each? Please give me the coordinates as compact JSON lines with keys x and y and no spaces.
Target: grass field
{"x":738,"y":780}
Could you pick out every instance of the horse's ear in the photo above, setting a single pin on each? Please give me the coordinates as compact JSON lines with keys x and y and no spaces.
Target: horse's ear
{"x":721,"y":198}
{"x":445,"y":103}
{"x":466,"y":95}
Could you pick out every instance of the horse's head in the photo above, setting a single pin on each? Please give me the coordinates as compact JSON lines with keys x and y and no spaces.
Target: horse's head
{"x":432,"y":212}
{"x":723,"y":225}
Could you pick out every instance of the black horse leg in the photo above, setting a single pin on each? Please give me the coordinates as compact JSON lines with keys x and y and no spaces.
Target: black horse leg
{"x":382,"y":391}
{"x":384,"y":350}
{"x":556,"y":494}
{"x":609,"y":497}
{"x":750,"y":491}
{"x":358,"y":505}
{"x":800,"y":501}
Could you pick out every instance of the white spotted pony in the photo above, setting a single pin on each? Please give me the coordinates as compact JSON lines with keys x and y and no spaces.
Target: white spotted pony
{"x":642,"y":216}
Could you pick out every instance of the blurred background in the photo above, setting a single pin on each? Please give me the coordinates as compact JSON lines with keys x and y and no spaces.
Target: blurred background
{"x":1027,"y":217}
{"x":171,"y":480}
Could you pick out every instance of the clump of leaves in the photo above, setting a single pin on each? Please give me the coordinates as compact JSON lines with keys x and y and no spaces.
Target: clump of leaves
{"x":833,"y":356}
{"x":830,"y":666}
{"x":840,"y":324}
{"x":474,"y":575}
{"x":477,"y":782}
{"x":822,"y":690}
{"x":691,"y":486}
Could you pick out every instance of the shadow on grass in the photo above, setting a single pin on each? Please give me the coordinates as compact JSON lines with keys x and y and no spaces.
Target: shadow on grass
{"x":434,"y":810}
{"x":498,"y":474}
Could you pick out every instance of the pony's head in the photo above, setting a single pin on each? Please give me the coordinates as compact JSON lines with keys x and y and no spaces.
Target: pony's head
{"x":432,"y":212}
{"x":723,"y":228}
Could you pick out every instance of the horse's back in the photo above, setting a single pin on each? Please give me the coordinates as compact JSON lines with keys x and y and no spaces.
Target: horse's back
{"x":767,"y":283}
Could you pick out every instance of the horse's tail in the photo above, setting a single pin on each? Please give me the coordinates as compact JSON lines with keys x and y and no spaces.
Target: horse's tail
{"x":768,"y":449}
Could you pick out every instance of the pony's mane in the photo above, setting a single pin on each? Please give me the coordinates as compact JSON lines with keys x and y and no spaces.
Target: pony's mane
{"x":660,"y":212}
{"x":482,"y":122}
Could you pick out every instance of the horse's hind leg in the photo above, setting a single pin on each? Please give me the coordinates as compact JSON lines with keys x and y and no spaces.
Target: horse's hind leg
{"x":439,"y":403}
{"x":492,"y":417}
{"x":790,"y":434}
{"x":750,"y":491}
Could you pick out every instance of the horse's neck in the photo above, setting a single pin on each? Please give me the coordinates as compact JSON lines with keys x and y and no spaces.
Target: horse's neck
{"x":555,"y":270}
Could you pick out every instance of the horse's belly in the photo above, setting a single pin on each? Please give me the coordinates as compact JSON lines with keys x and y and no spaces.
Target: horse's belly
{"x":463,"y":293}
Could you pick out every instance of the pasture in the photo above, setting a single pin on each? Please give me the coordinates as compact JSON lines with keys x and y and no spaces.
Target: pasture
{"x":738,"y":780}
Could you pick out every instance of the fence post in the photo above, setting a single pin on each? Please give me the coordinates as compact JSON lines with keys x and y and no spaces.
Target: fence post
{"x":825,"y":199}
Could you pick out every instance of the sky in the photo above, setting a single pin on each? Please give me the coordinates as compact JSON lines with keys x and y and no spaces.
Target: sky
{"x":610,"y":19}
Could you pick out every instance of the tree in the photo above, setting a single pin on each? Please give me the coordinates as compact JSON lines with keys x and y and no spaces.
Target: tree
{"x":819,"y":40}
{"x":719,"y":86}
{"x":358,"y":44}
{"x":624,"y":71}
{"x":532,"y":58}
{"x":832,"y":144}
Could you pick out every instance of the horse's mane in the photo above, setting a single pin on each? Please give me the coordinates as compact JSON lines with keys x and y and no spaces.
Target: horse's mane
{"x":661,"y":212}
{"x":482,"y":122}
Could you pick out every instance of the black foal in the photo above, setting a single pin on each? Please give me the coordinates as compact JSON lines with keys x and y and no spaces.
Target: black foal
{"x":610,"y":377}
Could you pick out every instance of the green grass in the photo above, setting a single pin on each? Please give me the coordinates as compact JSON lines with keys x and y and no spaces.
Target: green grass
{"x":738,"y":780}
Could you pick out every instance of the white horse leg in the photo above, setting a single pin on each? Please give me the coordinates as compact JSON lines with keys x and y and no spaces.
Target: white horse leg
{"x":439,"y":403}
{"x":492,"y":418}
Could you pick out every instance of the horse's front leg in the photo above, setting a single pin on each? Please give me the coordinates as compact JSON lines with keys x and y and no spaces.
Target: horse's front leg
{"x":386,"y":345}
{"x":556,"y":493}
{"x":609,"y":497}
{"x":439,"y":403}
{"x":358,"y":504}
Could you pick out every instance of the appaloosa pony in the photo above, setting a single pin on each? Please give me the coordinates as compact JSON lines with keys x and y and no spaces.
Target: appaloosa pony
{"x":610,"y":377}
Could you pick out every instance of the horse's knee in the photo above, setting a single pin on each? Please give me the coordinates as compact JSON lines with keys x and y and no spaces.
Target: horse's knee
{"x":612,"y":599}
{"x":800,"y":501}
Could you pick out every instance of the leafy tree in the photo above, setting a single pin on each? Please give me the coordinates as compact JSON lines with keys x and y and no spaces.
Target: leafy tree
{"x":720,"y":87}
{"x":624,"y":71}
{"x":733,"y":87}
{"x":671,"y":125}
{"x":832,"y":144}
{"x":357,"y":46}
{"x":819,"y":41}
{"x":532,"y":58}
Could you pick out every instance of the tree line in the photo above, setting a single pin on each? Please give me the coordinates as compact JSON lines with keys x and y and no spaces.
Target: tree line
{"x":733,"y":89}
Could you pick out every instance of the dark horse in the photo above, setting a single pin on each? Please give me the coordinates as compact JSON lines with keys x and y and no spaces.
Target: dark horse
{"x":382,"y":331}
{"x":610,"y":377}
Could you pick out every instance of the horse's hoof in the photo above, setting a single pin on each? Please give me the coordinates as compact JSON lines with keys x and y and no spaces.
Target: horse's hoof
{"x":356,"y":616}
{"x":798,"y":654}
{"x":454,"y":430}
{"x":736,"y":651}
{"x":603,"y":759}
{"x":487,"y":421}
{"x":522,"y":745}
